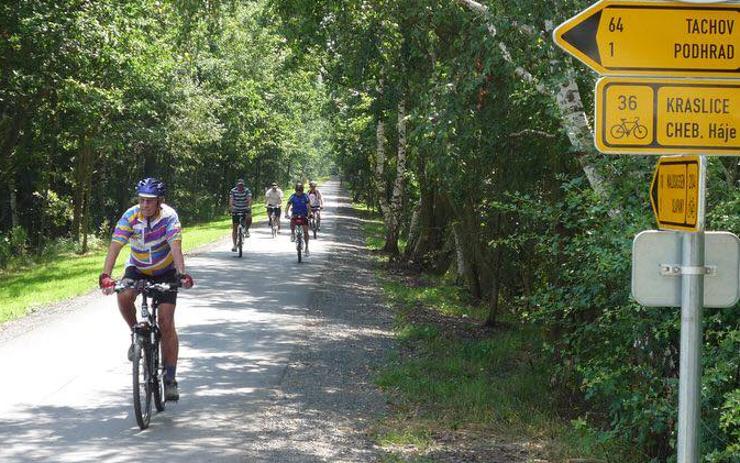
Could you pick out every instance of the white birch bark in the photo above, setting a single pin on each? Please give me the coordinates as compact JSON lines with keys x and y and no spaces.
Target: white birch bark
{"x":380,"y":167}
{"x":397,"y":198}
{"x":568,"y":99}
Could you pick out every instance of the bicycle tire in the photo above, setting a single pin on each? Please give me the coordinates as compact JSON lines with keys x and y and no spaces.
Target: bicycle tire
{"x":299,"y":246}
{"x":157,"y":378}
{"x":142,"y":388}
{"x":240,"y":241}
{"x":315,"y":228}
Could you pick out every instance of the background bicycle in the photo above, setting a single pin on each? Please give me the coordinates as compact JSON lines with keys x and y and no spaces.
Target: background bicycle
{"x":240,"y":234}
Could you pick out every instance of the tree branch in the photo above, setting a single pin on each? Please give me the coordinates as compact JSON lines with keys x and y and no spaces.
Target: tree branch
{"x":532,"y":132}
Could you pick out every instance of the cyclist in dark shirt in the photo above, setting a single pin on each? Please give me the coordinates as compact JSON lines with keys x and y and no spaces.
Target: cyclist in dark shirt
{"x":240,"y":204}
{"x":299,"y":202}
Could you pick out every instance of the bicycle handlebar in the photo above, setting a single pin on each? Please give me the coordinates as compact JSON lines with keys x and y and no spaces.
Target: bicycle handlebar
{"x":146,"y":285}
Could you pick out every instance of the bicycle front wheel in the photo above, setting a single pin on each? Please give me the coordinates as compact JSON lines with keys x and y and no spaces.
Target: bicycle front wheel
{"x":142,"y":388}
{"x":157,"y":378}
{"x":240,"y":242}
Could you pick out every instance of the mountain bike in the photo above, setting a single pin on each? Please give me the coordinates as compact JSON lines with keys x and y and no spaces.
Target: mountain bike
{"x":240,"y":233}
{"x":299,"y":241}
{"x":274,"y":222}
{"x":148,"y":372}
{"x":313,"y":223}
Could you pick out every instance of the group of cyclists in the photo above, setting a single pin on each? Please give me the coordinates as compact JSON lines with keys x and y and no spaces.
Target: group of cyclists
{"x":153,"y":231}
{"x":300,"y":207}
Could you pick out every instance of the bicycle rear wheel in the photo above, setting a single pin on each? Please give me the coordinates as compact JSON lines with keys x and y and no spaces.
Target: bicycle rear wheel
{"x":142,"y":387}
{"x":157,"y":378}
{"x":299,"y":246}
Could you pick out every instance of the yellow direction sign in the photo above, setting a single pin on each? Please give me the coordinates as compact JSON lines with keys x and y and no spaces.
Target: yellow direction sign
{"x":667,"y":116}
{"x":674,"y":193}
{"x":656,"y":38}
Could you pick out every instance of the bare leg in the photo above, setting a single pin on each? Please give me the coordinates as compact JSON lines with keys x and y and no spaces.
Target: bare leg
{"x":305,"y":234}
{"x":170,"y":343}
{"x":126,"y":306}
{"x":233,"y":233}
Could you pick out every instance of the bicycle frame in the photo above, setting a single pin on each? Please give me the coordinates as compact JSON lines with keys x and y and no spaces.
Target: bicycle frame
{"x":146,"y":339}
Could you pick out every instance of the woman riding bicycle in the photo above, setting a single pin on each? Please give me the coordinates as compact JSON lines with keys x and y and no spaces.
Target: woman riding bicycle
{"x":153,"y":231}
{"x":299,"y":202}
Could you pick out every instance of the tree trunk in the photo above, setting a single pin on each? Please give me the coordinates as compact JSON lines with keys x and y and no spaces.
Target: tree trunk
{"x":393,"y":222}
{"x":13,"y":203}
{"x":466,"y":252}
{"x":496,"y":274}
{"x":77,"y":199}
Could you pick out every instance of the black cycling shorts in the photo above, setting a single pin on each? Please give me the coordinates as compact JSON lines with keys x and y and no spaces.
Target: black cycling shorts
{"x":170,"y":297}
{"x":237,"y":215}
{"x":277,"y":210}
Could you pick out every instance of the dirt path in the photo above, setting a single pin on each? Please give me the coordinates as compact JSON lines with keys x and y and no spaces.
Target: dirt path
{"x":326,"y":399}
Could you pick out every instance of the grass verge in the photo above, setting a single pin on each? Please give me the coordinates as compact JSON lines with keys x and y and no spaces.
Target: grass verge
{"x":458,"y":389}
{"x":67,"y":274}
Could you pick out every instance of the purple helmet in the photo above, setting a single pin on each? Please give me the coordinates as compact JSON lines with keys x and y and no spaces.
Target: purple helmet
{"x":151,"y":188}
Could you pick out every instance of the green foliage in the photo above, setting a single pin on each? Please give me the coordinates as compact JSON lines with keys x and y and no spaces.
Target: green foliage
{"x":99,"y":94}
{"x":489,"y":149}
{"x":444,"y":380}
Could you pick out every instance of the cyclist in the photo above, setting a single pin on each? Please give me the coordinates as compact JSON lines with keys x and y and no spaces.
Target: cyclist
{"x":317,"y":202}
{"x":299,"y":202}
{"x":273,"y":201}
{"x":153,"y":231}
{"x":240,"y":204}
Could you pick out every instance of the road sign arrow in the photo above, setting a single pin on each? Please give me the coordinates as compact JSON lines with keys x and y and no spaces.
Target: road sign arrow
{"x":657,"y":38}
{"x":674,"y":193}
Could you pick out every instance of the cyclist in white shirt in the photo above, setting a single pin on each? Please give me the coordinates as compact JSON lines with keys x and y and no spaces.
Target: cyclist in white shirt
{"x":316,"y":201}
{"x":273,"y":201}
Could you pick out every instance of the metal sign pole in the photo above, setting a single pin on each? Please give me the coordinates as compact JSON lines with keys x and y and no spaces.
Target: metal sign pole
{"x":692,"y":302}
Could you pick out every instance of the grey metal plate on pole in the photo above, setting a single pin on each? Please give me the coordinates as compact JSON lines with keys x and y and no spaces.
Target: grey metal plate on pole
{"x":657,"y":269}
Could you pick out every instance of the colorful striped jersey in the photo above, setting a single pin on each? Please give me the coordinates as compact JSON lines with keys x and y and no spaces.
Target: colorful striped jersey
{"x":149,"y":239}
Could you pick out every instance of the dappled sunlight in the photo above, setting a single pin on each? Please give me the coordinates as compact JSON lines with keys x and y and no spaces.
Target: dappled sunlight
{"x":246,"y":331}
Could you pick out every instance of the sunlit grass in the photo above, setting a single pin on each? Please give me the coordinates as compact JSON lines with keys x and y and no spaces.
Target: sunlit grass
{"x":68,"y":275}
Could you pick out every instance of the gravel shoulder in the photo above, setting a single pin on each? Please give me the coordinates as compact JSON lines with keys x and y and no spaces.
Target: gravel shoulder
{"x":326,"y":400}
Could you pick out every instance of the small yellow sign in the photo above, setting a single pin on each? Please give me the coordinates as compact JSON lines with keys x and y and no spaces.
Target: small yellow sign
{"x":674,"y":193}
{"x":655,"y":38}
{"x":667,"y":116}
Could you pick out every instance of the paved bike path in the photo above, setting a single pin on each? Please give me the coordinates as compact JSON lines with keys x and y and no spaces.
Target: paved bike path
{"x":65,"y":386}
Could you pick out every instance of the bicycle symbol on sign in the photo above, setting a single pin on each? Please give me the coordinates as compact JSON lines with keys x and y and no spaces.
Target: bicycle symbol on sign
{"x":627,"y":128}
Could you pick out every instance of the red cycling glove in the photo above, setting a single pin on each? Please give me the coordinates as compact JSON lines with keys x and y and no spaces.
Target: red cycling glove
{"x":187,"y":281}
{"x":105,"y":281}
